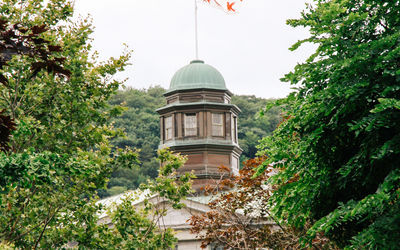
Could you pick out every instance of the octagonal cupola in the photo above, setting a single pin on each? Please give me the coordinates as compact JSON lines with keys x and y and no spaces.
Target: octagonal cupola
{"x":199,"y":121}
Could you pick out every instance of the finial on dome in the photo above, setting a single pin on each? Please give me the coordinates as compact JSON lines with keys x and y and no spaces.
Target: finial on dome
{"x":196,"y":61}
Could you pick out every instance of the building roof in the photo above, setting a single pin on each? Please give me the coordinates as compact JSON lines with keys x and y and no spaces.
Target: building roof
{"x":199,"y":203}
{"x":136,"y":196}
{"x":199,"y":104}
{"x":197,"y":75}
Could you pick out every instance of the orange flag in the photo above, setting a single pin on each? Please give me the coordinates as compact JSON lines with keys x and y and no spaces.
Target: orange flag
{"x":226,"y":5}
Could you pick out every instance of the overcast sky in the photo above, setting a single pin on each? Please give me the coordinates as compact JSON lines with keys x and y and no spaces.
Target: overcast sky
{"x":249,"y":48}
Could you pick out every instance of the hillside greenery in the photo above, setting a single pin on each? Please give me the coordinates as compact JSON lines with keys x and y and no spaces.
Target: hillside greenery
{"x":140,"y":122}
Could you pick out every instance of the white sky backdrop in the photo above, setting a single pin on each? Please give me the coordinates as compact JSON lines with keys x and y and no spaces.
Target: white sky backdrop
{"x":249,"y":48}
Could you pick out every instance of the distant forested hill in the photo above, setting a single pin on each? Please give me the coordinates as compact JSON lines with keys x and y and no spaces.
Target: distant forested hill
{"x":141,"y":125}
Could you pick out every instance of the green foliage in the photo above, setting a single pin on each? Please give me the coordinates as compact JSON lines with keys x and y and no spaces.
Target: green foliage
{"x":131,"y":229}
{"x":55,"y":113}
{"x":338,"y":150}
{"x":59,"y":153}
{"x":140,"y":123}
{"x":131,"y":225}
{"x":43,"y":194}
{"x":251,"y":126}
{"x":165,"y":184}
{"x":117,"y":189}
{"x":136,"y":223}
{"x":42,"y":190}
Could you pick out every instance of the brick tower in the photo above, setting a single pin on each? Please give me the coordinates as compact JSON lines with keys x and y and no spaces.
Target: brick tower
{"x":199,"y":121}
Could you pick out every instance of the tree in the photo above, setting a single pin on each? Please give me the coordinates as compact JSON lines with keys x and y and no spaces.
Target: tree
{"x":338,"y":150}
{"x":252,"y":127}
{"x":36,"y":213}
{"x":140,"y":124}
{"x":55,"y":113}
{"x":56,"y":131}
{"x":17,"y":40}
{"x":134,"y":227}
{"x":240,"y":217}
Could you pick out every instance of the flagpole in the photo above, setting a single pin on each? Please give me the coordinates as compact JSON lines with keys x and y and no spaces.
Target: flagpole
{"x":195,"y":30}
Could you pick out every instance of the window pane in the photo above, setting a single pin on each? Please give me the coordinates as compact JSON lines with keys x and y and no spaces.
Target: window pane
{"x":217,"y":125}
{"x":190,"y":125}
{"x":168,"y":128}
{"x":235,"y":165}
{"x":217,"y":119}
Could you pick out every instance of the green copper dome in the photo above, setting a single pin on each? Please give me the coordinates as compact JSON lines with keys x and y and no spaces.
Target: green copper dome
{"x":197,"y":75}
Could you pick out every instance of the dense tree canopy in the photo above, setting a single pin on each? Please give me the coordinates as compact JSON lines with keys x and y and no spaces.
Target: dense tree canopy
{"x":55,"y":130}
{"x":338,"y":150}
{"x":252,"y":127}
{"x":57,"y":155}
{"x":57,"y":113}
